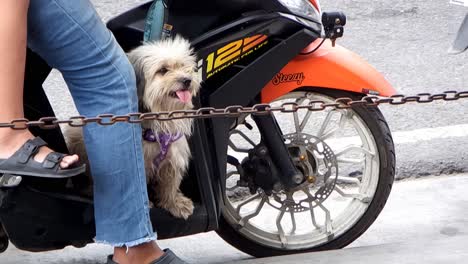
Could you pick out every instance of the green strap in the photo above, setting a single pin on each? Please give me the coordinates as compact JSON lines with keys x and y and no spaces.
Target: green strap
{"x":155,"y":21}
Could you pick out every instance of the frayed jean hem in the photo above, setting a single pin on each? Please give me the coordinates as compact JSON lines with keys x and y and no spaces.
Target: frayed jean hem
{"x":129,"y":244}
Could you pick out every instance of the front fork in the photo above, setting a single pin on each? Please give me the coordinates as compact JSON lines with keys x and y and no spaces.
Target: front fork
{"x":272,"y":138}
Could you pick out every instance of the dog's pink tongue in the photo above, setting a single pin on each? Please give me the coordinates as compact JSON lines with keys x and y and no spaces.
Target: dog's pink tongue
{"x":184,"y":96}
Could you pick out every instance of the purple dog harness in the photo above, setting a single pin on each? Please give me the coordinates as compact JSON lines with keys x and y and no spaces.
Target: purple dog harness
{"x":165,"y":140}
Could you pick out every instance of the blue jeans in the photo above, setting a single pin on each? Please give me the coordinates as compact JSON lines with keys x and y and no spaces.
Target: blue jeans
{"x":71,"y":37}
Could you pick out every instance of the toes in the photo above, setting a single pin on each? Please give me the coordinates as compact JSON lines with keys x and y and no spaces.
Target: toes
{"x":68,"y":161}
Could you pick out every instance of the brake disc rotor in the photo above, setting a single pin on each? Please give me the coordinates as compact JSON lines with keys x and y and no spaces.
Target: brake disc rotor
{"x":318,"y":163}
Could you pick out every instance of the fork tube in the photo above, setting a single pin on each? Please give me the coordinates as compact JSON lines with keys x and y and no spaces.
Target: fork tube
{"x":272,"y":136}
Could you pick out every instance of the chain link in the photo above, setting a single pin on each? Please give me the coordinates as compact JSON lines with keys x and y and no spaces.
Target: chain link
{"x":233,"y":111}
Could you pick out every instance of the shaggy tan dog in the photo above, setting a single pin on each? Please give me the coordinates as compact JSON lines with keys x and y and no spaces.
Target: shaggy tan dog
{"x":167,"y":81}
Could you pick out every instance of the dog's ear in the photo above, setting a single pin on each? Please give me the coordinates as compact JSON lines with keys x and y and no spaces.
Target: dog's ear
{"x":137,"y":60}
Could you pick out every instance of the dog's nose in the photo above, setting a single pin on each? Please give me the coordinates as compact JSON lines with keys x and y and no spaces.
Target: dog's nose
{"x":187,"y":82}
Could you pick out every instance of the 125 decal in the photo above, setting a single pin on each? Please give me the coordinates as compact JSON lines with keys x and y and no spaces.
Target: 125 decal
{"x":232,"y":52}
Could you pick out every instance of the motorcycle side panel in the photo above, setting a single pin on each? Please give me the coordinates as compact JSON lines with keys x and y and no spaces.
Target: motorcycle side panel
{"x":461,"y":42}
{"x":329,"y":67}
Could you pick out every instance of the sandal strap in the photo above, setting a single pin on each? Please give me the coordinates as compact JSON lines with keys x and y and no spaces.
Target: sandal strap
{"x":168,"y":258}
{"x":30,"y":149}
{"x":52,"y":160}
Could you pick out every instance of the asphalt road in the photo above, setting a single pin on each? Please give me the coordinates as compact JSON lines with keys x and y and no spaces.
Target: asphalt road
{"x":419,"y":214}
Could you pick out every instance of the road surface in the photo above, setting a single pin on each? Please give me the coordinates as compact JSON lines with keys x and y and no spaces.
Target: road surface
{"x":419,"y":213}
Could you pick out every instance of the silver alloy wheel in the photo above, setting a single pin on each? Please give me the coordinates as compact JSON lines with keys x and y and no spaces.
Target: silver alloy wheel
{"x":338,"y":155}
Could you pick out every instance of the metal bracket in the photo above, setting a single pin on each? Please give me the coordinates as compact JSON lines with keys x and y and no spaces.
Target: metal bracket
{"x":10,"y":181}
{"x":333,"y":23}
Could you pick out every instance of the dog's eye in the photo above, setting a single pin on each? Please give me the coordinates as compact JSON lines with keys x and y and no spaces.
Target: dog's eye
{"x":163,"y":71}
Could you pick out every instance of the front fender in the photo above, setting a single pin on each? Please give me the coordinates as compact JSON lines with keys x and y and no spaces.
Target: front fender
{"x":329,"y":67}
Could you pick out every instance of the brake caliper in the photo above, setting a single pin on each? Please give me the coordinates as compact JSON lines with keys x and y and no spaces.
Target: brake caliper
{"x":259,"y":171}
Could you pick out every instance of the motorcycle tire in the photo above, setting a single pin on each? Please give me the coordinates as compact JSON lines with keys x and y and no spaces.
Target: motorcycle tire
{"x":376,"y":123}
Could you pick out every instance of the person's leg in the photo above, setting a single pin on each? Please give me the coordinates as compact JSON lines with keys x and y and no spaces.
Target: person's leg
{"x":70,"y":36}
{"x":13,"y":16}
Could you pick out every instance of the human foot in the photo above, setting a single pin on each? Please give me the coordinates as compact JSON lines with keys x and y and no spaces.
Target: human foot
{"x":144,"y":253}
{"x":12,"y":140}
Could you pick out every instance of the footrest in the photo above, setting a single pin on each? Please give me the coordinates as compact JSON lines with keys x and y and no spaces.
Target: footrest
{"x":10,"y":181}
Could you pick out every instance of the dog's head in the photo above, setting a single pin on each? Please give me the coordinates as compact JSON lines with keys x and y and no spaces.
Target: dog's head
{"x":166,"y":74}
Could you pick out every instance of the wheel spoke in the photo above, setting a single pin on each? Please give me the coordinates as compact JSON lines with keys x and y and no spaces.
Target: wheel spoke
{"x":328,"y":222}
{"x":244,"y":136}
{"x":231,"y":173}
{"x":312,"y":216}
{"x":349,"y":180}
{"x":312,"y":213}
{"x":325,"y":124}
{"x":350,"y":161}
{"x":246,"y":218}
{"x":290,"y":198}
{"x":301,"y":125}
{"x":341,"y":125}
{"x":354,"y":148}
{"x":330,"y":133}
{"x":344,"y":119}
{"x":281,"y":234}
{"x":231,"y":189}
{"x":251,"y":199}
{"x":360,"y":197}
{"x":293,"y":220}
{"x":237,"y":149}
{"x":305,"y":120}
{"x":296,"y":122}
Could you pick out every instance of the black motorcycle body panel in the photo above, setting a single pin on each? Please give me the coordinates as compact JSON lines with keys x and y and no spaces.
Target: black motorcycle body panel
{"x":43,"y":214}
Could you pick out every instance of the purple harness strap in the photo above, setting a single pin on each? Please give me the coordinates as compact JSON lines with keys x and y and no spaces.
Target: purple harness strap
{"x":165,"y":140}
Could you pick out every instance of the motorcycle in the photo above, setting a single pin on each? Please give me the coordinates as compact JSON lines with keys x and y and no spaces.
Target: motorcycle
{"x":269,"y":185}
{"x":461,"y":41}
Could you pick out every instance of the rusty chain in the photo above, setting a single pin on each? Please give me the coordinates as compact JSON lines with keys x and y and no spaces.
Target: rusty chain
{"x":232,"y":111}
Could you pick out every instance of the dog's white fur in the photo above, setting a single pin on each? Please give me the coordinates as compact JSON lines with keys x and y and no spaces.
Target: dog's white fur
{"x":156,"y":93}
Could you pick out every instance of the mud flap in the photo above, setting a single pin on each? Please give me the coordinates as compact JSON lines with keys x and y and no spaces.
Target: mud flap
{"x":461,"y":42}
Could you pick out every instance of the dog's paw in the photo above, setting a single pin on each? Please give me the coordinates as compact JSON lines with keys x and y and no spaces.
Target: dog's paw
{"x":182,"y":207}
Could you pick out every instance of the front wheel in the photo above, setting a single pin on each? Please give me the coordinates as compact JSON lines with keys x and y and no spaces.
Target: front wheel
{"x":348,"y":162}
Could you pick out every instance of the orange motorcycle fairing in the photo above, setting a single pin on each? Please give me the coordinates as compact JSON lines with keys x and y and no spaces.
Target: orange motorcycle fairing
{"x":330,"y":68}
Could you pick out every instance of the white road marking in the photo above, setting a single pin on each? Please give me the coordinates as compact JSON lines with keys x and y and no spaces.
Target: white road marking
{"x":399,"y":137}
{"x":427,"y":134}
{"x":414,"y":136}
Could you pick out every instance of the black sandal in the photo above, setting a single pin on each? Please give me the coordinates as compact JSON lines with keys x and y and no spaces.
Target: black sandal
{"x":22,"y":163}
{"x":168,"y":258}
